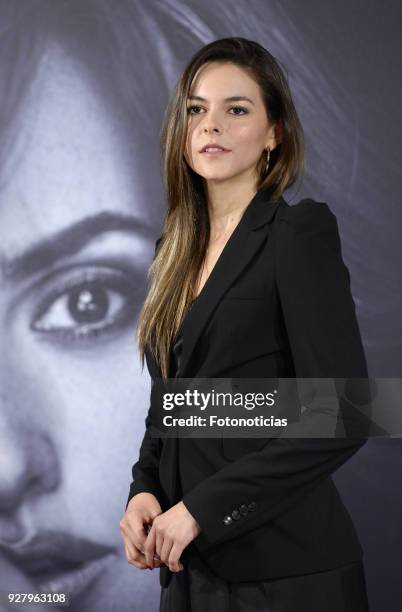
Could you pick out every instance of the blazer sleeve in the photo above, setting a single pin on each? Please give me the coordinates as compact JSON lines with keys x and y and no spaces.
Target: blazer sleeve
{"x":313,"y":285}
{"x":145,"y":471}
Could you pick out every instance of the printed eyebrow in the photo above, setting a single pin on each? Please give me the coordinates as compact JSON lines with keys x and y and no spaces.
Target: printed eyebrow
{"x":69,"y":241}
{"x":231,"y":99}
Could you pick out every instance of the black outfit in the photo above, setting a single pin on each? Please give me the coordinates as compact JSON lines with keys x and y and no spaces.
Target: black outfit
{"x":197,"y":589}
{"x":276,"y":304}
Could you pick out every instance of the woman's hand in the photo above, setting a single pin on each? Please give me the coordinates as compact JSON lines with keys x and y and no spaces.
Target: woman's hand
{"x":141,"y":511}
{"x":169,"y":535}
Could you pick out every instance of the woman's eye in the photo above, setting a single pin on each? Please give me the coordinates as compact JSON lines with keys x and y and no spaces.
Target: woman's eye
{"x":89,"y":305}
{"x":243,"y":110}
{"x":191,"y":108}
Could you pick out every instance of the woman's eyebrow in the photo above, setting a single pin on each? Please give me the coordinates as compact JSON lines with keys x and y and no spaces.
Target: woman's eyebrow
{"x":69,"y":241}
{"x":231,"y":99}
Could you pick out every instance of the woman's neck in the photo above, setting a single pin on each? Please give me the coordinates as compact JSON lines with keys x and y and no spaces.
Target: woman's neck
{"x":226,"y":204}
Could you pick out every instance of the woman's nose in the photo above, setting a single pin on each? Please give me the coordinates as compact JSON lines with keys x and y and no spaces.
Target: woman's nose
{"x":212,"y":122}
{"x":215,"y":129}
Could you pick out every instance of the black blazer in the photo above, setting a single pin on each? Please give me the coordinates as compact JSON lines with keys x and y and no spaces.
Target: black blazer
{"x":277,"y":304}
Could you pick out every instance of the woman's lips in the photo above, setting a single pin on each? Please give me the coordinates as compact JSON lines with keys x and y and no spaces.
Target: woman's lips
{"x":214,"y":153}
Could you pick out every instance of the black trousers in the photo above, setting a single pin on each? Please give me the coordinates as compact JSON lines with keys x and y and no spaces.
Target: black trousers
{"x":197,"y":589}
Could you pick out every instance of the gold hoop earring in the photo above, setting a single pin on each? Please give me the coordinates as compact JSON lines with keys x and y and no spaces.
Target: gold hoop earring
{"x":268,"y":151}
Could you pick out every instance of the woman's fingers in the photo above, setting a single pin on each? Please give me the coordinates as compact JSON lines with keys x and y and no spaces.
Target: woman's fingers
{"x":135,"y":557}
{"x":165,"y":552}
{"x":158,"y":545}
{"x":134,"y":536}
{"x":174,"y":558}
{"x":149,"y":548}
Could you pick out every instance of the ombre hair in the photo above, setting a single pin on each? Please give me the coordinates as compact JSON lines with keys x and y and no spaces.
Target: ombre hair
{"x":185,"y":235}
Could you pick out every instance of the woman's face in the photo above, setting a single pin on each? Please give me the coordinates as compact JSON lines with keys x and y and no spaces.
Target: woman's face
{"x":76,"y":243}
{"x":239,"y":125}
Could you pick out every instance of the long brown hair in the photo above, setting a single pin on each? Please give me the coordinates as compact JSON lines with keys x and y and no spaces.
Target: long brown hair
{"x":179,"y":256}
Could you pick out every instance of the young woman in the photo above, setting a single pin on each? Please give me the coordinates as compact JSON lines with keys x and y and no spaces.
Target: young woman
{"x":244,"y":285}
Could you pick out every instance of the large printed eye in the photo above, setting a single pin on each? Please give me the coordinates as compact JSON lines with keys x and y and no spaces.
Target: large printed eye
{"x":89,"y":304}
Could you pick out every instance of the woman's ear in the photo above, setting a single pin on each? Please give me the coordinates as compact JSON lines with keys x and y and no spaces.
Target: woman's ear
{"x":276,"y":132}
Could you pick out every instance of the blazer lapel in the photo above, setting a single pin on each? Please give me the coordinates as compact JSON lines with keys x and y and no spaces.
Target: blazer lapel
{"x":239,"y":250}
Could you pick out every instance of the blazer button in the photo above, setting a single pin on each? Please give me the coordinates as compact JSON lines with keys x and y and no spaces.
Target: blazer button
{"x":235,"y":514}
{"x":252,"y":506}
{"x":243,"y":509}
{"x":227,"y":520}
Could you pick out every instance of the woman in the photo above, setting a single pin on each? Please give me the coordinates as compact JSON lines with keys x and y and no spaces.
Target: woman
{"x":245,"y":286}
